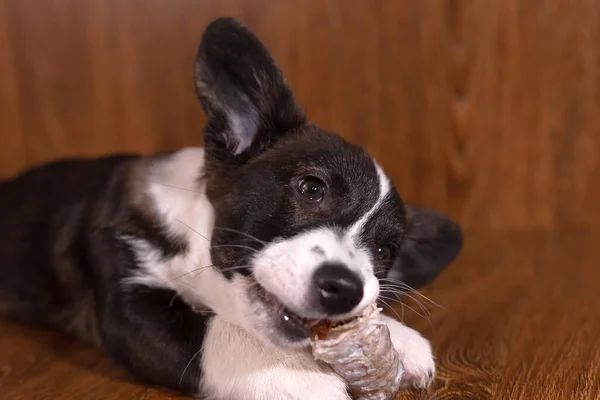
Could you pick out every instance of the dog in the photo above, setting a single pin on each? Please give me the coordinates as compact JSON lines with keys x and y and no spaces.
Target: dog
{"x":203,"y":270}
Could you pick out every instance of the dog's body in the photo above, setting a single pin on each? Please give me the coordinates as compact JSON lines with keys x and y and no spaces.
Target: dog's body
{"x":203,"y":270}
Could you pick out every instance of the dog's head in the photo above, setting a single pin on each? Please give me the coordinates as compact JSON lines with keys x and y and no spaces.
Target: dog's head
{"x":307,"y":221}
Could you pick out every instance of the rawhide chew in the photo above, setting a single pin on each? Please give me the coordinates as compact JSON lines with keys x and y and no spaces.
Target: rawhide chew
{"x":362,"y":353}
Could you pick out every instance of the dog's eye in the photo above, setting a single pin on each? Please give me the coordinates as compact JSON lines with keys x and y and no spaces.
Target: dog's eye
{"x":312,"y":188}
{"x":385,"y":253}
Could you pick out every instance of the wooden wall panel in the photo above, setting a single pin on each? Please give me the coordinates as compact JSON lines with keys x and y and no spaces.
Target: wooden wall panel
{"x":487,"y":110}
{"x":12,"y":147}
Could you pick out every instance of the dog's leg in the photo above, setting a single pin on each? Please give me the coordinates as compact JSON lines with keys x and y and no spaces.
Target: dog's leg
{"x":236,"y":365}
{"x":155,"y":336}
{"x":415,"y":353}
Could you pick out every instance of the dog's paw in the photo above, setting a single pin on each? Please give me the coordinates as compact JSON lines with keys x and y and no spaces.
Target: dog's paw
{"x":238,"y":366}
{"x":419,"y":365}
{"x":416,"y":355}
{"x":291,"y":384}
{"x":282,"y":382}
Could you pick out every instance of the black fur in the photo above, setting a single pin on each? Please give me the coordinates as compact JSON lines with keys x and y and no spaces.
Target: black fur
{"x":263,"y":201}
{"x":235,"y":74}
{"x":432,"y":243}
{"x":62,"y":263}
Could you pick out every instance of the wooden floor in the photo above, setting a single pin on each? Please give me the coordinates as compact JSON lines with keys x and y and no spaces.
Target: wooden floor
{"x":518,"y":319}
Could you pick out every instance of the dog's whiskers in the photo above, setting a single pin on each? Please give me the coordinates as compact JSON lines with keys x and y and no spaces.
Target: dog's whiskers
{"x":241,"y":246}
{"x":193,"y":230}
{"x":232,"y":230}
{"x":410,"y":289}
{"x":383,"y":300}
{"x":394,"y":290}
{"x":225,"y":245}
{"x":241,"y":233}
{"x":406,"y":286}
{"x":202,"y":269}
{"x":393,"y":310}
{"x":188,"y":364}
{"x":190,"y":272}
{"x":399,"y":294}
{"x":409,"y":307}
{"x":175,"y":187}
{"x":421,"y":306}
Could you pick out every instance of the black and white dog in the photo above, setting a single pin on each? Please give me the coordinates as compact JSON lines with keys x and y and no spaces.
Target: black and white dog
{"x":203,"y":270}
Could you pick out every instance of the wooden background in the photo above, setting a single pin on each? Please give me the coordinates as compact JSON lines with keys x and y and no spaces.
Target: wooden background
{"x":487,"y":110}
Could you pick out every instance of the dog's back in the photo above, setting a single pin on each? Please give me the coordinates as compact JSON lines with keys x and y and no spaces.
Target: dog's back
{"x":47,"y":229}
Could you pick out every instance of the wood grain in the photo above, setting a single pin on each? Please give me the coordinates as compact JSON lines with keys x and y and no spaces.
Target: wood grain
{"x":519,"y":322}
{"x":485,"y":110}
{"x":516,"y":319}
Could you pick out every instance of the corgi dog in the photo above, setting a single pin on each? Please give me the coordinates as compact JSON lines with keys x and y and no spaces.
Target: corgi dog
{"x":203,"y":270}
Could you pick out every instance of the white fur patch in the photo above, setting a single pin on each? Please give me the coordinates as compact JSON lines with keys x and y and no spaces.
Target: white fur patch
{"x":178,"y":190}
{"x":384,"y":189}
{"x":238,"y":366}
{"x":414,"y":351}
{"x":286,"y":268}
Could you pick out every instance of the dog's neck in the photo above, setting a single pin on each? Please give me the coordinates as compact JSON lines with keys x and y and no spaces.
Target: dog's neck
{"x":176,"y":189}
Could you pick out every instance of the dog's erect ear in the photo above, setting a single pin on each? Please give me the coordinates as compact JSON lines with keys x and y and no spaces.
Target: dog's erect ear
{"x":432,"y":242}
{"x":243,"y":92}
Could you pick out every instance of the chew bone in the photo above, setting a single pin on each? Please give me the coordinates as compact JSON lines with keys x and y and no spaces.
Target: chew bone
{"x":361,"y":352}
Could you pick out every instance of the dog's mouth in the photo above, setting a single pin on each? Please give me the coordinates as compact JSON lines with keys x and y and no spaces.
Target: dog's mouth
{"x":295,"y":327}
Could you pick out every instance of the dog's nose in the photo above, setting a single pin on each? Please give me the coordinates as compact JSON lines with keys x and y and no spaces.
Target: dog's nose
{"x":338,"y":289}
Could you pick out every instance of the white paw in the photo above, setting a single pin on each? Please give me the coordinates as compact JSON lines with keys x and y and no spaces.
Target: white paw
{"x":283,"y":382}
{"x":291,"y":384}
{"x":415,"y":353}
{"x":238,"y":366}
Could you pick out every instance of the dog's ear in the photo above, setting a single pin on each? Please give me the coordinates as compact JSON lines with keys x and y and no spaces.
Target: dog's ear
{"x":432,"y":242}
{"x":243,"y":92}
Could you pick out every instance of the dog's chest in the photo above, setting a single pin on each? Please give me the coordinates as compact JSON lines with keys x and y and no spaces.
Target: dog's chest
{"x":176,"y":190}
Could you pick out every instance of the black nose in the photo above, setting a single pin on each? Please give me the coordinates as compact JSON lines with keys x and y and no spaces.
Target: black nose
{"x":338,"y":289}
